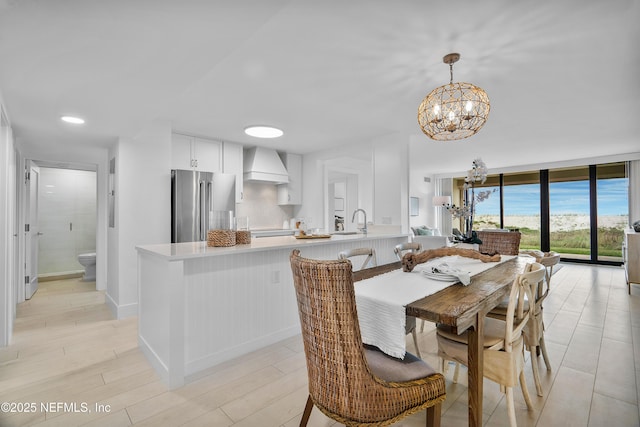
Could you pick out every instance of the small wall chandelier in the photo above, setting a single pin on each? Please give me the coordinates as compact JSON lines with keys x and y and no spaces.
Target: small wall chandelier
{"x":453,"y":111}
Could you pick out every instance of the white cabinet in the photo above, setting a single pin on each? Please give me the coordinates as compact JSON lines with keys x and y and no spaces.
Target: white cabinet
{"x":291,"y":193}
{"x":232,"y":162}
{"x":190,"y":152}
{"x":631,"y":257}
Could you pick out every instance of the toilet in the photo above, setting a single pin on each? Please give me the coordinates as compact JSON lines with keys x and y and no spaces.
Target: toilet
{"x":88,"y":261}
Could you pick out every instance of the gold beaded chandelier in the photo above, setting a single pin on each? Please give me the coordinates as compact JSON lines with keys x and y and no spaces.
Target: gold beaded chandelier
{"x":453,"y":111}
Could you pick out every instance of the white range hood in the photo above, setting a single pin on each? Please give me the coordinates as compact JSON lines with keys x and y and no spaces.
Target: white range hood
{"x":264,"y":164}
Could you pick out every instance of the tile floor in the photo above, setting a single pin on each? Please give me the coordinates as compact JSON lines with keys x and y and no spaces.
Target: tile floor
{"x":68,"y":350}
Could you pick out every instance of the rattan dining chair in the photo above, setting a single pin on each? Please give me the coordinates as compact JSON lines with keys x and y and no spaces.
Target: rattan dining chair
{"x":503,"y":340}
{"x":351,"y":383}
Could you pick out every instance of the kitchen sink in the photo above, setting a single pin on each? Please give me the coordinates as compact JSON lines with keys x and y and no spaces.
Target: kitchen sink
{"x":344,"y":233}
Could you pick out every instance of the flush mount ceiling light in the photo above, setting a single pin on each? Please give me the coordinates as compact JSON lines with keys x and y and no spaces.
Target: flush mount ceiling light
{"x":453,"y":111}
{"x":72,"y":120}
{"x":263,"y":131}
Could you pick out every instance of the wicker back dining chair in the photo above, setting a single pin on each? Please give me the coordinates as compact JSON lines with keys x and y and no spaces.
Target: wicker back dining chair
{"x":499,"y":242}
{"x":351,"y":383}
{"x":503,"y":339}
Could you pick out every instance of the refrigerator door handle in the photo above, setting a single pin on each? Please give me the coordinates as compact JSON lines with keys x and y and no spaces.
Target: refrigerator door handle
{"x":203,"y":211}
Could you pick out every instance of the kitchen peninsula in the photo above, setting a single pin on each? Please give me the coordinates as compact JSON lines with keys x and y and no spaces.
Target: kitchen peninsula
{"x":200,"y":306}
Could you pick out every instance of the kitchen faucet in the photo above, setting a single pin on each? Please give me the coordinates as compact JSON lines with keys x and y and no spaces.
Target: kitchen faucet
{"x":363,"y":229}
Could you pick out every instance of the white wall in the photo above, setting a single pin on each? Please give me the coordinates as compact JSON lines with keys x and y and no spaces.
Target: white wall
{"x":142,"y":209}
{"x":350,"y":159}
{"x":391,"y":180}
{"x":382,"y":166}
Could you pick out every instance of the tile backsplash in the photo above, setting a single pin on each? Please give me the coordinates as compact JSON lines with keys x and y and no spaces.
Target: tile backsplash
{"x":260,"y":204}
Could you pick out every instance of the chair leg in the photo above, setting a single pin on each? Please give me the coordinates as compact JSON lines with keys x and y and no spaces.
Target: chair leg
{"x":534,"y":366}
{"x":511,"y":410}
{"x":455,"y":373}
{"x":525,"y":391}
{"x":307,"y":412}
{"x":415,"y":342}
{"x":545,"y":356}
{"x":434,"y":413}
{"x":422,"y":326}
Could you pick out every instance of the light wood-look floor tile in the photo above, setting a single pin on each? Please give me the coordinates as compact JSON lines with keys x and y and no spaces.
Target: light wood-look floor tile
{"x":68,"y":348}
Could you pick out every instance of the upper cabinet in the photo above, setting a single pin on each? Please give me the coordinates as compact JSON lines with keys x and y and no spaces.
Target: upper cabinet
{"x":190,"y":152}
{"x":291,"y":193}
{"x":232,"y":162}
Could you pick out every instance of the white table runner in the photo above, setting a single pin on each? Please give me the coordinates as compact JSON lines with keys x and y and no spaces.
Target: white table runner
{"x":381,"y":300}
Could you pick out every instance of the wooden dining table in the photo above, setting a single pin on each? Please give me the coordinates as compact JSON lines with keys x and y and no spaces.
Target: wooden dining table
{"x":463,"y":308}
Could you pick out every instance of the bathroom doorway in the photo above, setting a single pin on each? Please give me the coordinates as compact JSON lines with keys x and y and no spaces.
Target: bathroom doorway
{"x":342,"y":200}
{"x":64,"y":210}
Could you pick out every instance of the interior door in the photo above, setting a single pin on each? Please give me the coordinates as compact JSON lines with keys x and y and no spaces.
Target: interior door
{"x":31,"y":229}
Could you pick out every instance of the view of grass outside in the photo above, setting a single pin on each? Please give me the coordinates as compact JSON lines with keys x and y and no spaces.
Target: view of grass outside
{"x":569,"y":202}
{"x":569,"y":215}
{"x":613,"y":214}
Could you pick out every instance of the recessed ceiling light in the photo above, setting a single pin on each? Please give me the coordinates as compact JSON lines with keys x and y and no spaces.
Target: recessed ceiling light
{"x":263,"y":131}
{"x":73,"y":120}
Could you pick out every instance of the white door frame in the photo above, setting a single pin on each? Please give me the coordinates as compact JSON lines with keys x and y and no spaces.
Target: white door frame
{"x":8,"y":230}
{"x":32,"y":232}
{"x":21,"y":222}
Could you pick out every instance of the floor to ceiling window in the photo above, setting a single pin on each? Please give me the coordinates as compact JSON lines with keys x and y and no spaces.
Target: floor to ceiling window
{"x":569,"y":209}
{"x":613,"y":210}
{"x":580,"y":212}
{"x":521,"y":193}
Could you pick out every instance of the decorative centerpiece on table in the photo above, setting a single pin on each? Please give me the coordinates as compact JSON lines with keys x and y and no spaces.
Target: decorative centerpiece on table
{"x":478,"y":173}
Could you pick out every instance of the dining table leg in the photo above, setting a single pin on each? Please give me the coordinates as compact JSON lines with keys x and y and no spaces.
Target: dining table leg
{"x":476,"y":362}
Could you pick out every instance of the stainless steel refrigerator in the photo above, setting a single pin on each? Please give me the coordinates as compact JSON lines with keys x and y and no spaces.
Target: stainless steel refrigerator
{"x":195,"y":197}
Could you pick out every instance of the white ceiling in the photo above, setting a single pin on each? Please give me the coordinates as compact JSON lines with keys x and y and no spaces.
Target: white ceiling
{"x":562,"y":76}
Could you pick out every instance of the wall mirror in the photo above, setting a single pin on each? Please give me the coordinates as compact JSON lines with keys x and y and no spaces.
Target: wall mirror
{"x":414,"y":206}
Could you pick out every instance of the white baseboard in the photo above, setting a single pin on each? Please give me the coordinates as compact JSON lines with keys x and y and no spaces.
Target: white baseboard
{"x":197,"y":368}
{"x":121,"y":311}
{"x":154,"y":360}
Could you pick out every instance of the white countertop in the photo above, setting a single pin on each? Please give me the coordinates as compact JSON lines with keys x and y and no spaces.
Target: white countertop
{"x":180,"y":251}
